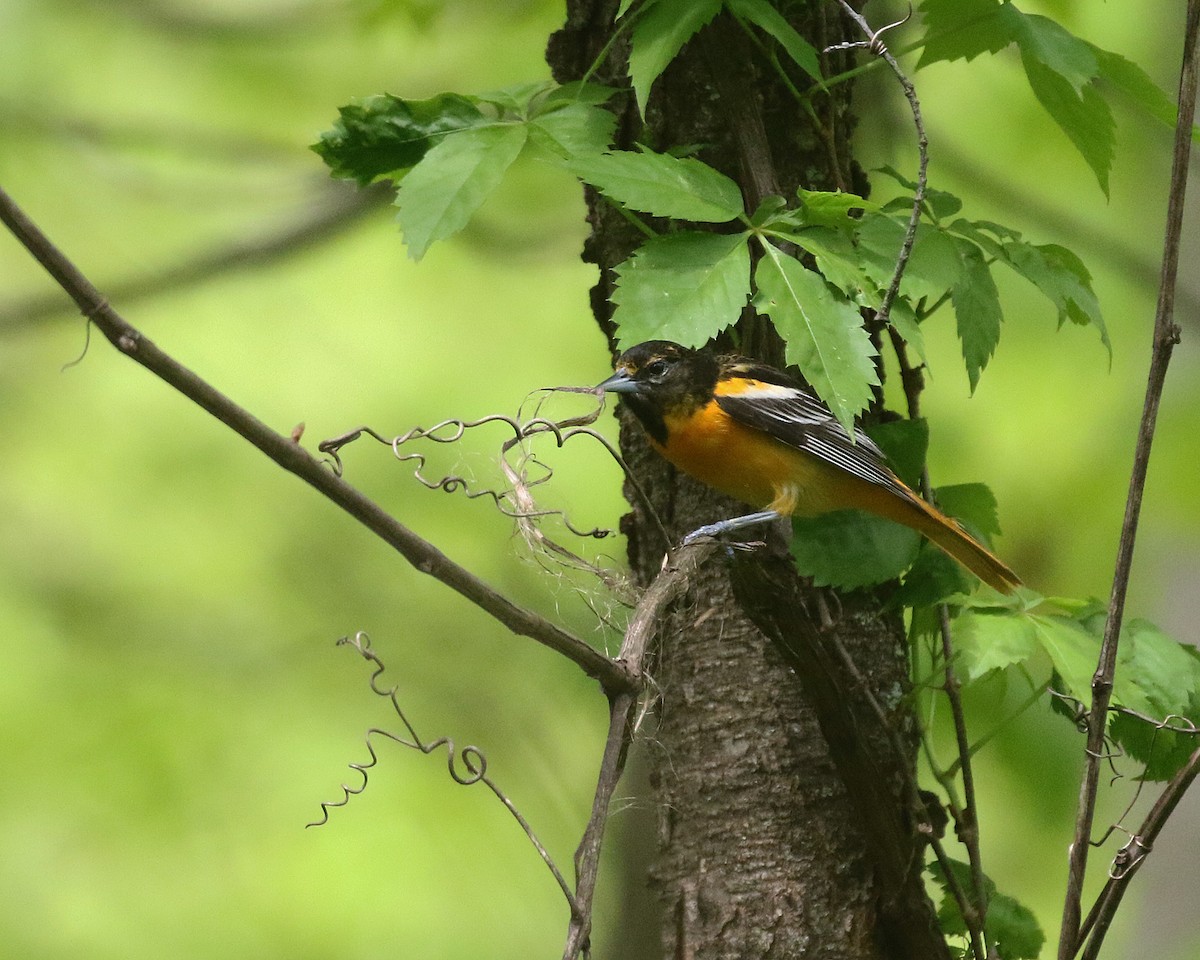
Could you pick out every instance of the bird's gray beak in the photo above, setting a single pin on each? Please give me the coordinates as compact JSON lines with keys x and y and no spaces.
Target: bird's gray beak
{"x":620,"y":382}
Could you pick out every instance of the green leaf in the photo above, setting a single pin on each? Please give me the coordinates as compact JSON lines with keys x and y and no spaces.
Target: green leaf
{"x":963,"y":29}
{"x":659,"y":33}
{"x":575,"y":92}
{"x":903,"y":319}
{"x":1160,"y":677}
{"x":940,"y":203}
{"x":836,"y":258}
{"x":385,"y":135}
{"x":1079,"y":110}
{"x":849,"y":549}
{"x":973,"y":230}
{"x":686,"y":287}
{"x":976,"y":309}
{"x":933,"y":267}
{"x":664,"y":186}
{"x":972,"y":503}
{"x":824,"y":334}
{"x":1135,"y":83}
{"x":1164,"y":672}
{"x":1072,"y":650}
{"x":932,"y":578}
{"x":1061,"y":68}
{"x":574,"y":131}
{"x":442,"y":192}
{"x":769,"y":210}
{"x":831,"y":208}
{"x":992,"y":641}
{"x":904,"y":443}
{"x":888,"y":170}
{"x":768,"y":19}
{"x":1057,"y":49}
{"x":1011,"y":928}
{"x":514,"y":102}
{"x":1062,"y":277}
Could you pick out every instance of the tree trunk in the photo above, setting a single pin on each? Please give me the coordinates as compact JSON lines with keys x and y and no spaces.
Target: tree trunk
{"x":786,"y":829}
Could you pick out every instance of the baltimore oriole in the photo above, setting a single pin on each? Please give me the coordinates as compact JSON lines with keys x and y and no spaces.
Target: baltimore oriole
{"x":754,"y":433}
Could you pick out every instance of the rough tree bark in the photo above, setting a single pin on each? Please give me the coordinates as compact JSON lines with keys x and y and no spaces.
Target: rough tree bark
{"x":764,"y":851}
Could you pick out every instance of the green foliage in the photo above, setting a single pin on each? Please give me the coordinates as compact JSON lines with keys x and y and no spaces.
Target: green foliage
{"x":933,"y":578}
{"x":972,"y":503}
{"x":1156,"y":676}
{"x":449,"y":153}
{"x":763,"y":15}
{"x":437,"y":198}
{"x":850,"y":549}
{"x":976,"y":308}
{"x":824,"y":334}
{"x":686,"y":286}
{"x":384,"y":136}
{"x":662,"y":27}
{"x":1066,"y":74}
{"x":679,"y":188}
{"x":1126,"y":76}
{"x":1164,"y":684}
{"x":905,"y":444}
{"x":573,"y":130}
{"x":1060,"y":275}
{"x":659,"y":33}
{"x":1011,"y":927}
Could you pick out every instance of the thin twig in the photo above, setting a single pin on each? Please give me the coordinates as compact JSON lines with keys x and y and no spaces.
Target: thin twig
{"x":910,"y":234}
{"x":1129,"y":858}
{"x":968,"y":823}
{"x":1166,"y":335}
{"x":642,"y":629}
{"x":965,"y":816}
{"x":974,"y":911}
{"x":295,"y":459}
{"x":473,"y":760}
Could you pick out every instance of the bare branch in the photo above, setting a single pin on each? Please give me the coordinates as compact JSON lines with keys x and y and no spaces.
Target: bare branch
{"x":292,"y":457}
{"x":1130,"y":857}
{"x":1166,"y":335}
{"x":966,"y":817}
{"x":874,"y":43}
{"x":639,"y":635}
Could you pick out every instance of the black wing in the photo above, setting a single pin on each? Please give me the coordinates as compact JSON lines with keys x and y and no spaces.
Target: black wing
{"x":777,"y":405}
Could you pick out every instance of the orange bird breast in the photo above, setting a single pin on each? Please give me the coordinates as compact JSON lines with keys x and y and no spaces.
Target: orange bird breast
{"x":738,"y":460}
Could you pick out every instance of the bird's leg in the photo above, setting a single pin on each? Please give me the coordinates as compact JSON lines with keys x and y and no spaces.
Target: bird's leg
{"x":728,"y":526}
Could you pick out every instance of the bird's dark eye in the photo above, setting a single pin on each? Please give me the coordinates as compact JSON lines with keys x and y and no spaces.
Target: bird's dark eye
{"x":655,"y":369}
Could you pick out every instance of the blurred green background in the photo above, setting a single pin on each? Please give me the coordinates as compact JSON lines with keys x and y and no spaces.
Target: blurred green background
{"x":172,"y":706}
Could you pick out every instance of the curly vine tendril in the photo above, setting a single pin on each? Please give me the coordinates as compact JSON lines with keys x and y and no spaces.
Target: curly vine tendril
{"x":473,"y":761}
